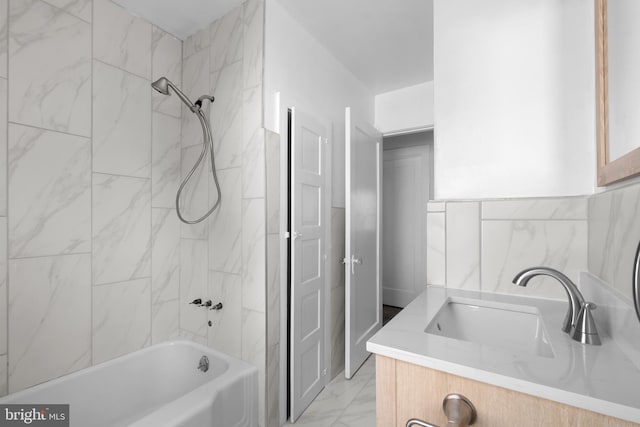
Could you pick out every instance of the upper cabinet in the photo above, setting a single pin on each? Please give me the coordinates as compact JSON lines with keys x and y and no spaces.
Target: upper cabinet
{"x":617,"y":89}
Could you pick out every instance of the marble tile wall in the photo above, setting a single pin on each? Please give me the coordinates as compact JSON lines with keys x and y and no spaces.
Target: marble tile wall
{"x":89,"y":166}
{"x":236,"y":245}
{"x":614,"y":233}
{"x":481,"y":245}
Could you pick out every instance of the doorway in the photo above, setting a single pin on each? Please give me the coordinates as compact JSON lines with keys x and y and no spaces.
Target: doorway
{"x":407,"y":187}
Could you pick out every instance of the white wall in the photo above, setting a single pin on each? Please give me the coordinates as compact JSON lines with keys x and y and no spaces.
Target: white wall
{"x":406,"y":109}
{"x":514,"y":96}
{"x":307,"y":76}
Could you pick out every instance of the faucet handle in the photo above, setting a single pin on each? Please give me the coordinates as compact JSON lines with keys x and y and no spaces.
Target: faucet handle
{"x":585,"y":330}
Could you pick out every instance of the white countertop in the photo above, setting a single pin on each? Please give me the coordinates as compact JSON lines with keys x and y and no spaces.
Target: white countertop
{"x":597,"y":378}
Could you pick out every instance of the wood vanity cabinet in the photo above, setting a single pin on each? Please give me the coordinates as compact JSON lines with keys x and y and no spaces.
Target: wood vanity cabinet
{"x":405,"y":391}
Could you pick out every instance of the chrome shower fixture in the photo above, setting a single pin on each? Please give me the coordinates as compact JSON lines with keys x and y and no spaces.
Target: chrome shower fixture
{"x":162,"y":85}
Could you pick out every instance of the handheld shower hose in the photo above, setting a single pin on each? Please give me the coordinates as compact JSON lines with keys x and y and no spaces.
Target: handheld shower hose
{"x":162,"y":85}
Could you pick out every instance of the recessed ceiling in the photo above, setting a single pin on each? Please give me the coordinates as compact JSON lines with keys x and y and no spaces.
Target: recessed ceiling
{"x":387,"y":44}
{"x":181,"y":18}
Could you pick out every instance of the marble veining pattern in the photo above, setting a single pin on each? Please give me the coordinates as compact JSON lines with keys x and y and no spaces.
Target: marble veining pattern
{"x":511,"y":246}
{"x":121,"y":228}
{"x":196,"y":42}
{"x":436,"y":249}
{"x":165,"y":255}
{"x":50,"y":318}
{"x":55,"y":94}
{"x":226,"y":39}
{"x":254,"y":351}
{"x":4,"y":32}
{"x":344,"y":403}
{"x":164,"y":320}
{"x":463,"y":245}
{"x":80,"y":8}
{"x":49,"y":192}
{"x":121,"y":318}
{"x":225,"y":225}
{"x":165,"y":166}
{"x":120,"y":39}
{"x":122,"y":122}
{"x":3,"y":147}
{"x":166,"y":61}
{"x":223,"y":334}
{"x":195,"y":83}
{"x":570,"y":208}
{"x":3,"y":292}
{"x":253,"y":43}
{"x":253,"y":255}
{"x":226,"y":116}
{"x":253,"y":146}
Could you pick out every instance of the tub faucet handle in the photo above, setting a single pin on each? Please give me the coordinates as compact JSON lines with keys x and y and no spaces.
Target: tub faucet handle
{"x":218,"y":306}
{"x":196,"y":301}
{"x":207,"y":304}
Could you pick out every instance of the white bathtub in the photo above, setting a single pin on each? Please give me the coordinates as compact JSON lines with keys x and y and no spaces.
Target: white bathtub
{"x":156,"y":387}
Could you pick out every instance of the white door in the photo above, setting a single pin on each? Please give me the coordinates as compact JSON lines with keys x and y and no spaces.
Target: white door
{"x":405,"y":191}
{"x":363,"y":298}
{"x":308,"y":151}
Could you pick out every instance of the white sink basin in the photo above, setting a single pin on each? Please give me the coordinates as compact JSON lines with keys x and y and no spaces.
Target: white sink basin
{"x":516,"y":328}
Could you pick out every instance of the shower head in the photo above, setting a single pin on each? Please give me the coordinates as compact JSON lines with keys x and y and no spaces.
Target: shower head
{"x":161,"y":85}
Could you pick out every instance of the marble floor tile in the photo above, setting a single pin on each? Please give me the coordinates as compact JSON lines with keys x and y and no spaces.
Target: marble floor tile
{"x":344,"y":402}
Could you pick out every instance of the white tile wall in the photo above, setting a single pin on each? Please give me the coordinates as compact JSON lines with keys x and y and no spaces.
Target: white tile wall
{"x":80,"y":8}
{"x":488,"y":242}
{"x":69,"y":213}
{"x":121,"y":228}
{"x":235,"y":236}
{"x":463,"y":245}
{"x":224,"y":334}
{"x":4,"y":12}
{"x":193,"y":285}
{"x":120,"y":39}
{"x":166,"y":56}
{"x":226,"y":116}
{"x":225,"y":232}
{"x":49,"y":312}
{"x":165,"y":166}
{"x":122,"y":123}
{"x":49,"y":211}
{"x":55,"y":94}
{"x":121,"y":318}
{"x":614,"y":233}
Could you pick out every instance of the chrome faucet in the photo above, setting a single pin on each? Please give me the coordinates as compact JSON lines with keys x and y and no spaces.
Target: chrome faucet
{"x":575,"y":297}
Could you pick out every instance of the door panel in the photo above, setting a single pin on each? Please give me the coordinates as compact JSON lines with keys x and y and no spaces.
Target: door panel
{"x":308,"y":150}
{"x":405,"y":190}
{"x":363,"y":295}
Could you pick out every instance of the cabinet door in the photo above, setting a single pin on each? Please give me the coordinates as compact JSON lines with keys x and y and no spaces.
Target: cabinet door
{"x":419,"y":393}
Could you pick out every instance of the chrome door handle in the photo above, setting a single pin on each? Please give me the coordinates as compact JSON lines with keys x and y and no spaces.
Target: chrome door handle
{"x":353,"y":263}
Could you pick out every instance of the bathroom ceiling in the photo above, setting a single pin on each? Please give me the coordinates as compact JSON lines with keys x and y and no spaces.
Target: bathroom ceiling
{"x":180,"y":17}
{"x":387,"y":44}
